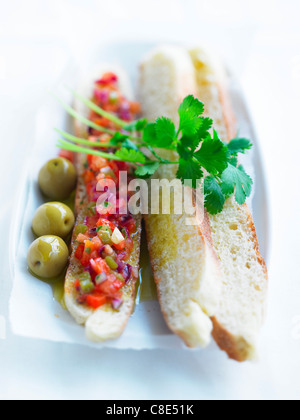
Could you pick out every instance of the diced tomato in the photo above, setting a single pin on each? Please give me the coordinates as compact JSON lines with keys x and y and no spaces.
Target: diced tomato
{"x":88,"y":176}
{"x":96,"y":300}
{"x":97,"y":244}
{"x":105,"y":138}
{"x":123,"y":166}
{"x":103,"y":122}
{"x":118,"y":284}
{"x":89,"y":188}
{"x":107,"y":288}
{"x":82,"y":238}
{"x":92,"y":247}
{"x":105,"y":222}
{"x":111,"y":107}
{"x":129,"y":245}
{"x":94,"y":255}
{"x":77,"y":285}
{"x":67,"y":154}
{"x":128,"y":249}
{"x":120,"y":246}
{"x":135,"y":107}
{"x":91,"y":221}
{"x":79,"y":252}
{"x":97,"y":162}
{"x":100,"y":266}
{"x":107,"y":78}
{"x":115,"y":168}
{"x":131,"y":226}
{"x":85,"y":260}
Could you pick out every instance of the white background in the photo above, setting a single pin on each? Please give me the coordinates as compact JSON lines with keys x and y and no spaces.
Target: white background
{"x":261,"y":40}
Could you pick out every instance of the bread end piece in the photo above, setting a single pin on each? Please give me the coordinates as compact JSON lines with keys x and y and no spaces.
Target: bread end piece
{"x":244,"y":286}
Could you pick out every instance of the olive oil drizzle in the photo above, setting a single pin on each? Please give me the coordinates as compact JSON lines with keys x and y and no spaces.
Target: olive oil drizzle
{"x":145,"y":287}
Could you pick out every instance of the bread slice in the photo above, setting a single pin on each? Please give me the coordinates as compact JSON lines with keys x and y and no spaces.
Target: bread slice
{"x":185,"y":265}
{"x":244,"y":275}
{"x":104,"y":323}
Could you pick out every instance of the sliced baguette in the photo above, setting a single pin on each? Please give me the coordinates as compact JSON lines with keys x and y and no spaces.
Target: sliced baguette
{"x":244,"y":275}
{"x":186,"y":268}
{"x":104,"y":323}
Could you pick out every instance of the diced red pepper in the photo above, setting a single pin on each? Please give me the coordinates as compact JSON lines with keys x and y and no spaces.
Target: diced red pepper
{"x":85,"y":260}
{"x":81,"y":238}
{"x":131,"y":226}
{"x":118,"y":284}
{"x":107,"y":78}
{"x":79,"y":252}
{"x":88,"y":176}
{"x":135,"y":107}
{"x":107,"y":288}
{"x":105,"y":222}
{"x":96,"y":300}
{"x":97,"y":162}
{"x":120,"y":246}
{"x":100,"y":266}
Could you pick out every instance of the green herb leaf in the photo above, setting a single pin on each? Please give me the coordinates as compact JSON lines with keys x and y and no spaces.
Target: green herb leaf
{"x":84,"y":120}
{"x":130,"y":155}
{"x":147,"y":170}
{"x":236,"y":179}
{"x":189,"y":170}
{"x":239,"y":145}
{"x":206,"y":125}
{"x":118,"y":139}
{"x":149,"y":134}
{"x":214,"y":197}
{"x":138,"y":125}
{"x":213,"y":155}
{"x":161,"y":160}
{"x":189,"y":112}
{"x":165,"y":132}
{"x":187,"y":146}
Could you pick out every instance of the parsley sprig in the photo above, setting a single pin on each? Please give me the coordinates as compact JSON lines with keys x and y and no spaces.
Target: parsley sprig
{"x":202,"y":156}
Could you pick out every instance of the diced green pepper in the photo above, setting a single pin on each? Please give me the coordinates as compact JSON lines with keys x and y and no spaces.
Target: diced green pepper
{"x":111,"y":263}
{"x":86,"y":284}
{"x":105,"y":234}
{"x":80,"y":229}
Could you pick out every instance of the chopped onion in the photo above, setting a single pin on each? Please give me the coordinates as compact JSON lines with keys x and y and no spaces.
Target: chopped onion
{"x":117,"y":237}
{"x":116,"y":303}
{"x":101,"y":278}
{"x":126,"y":273}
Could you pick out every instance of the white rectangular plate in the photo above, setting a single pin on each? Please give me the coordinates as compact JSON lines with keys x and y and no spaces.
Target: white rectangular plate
{"x":33,"y":310}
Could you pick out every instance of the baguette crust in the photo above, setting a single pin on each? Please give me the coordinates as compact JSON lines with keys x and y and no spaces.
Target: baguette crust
{"x":238,"y":348}
{"x":104,"y":323}
{"x":238,"y":342}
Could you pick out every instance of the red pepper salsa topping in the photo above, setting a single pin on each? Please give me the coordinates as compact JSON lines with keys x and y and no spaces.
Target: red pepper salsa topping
{"x":104,"y":240}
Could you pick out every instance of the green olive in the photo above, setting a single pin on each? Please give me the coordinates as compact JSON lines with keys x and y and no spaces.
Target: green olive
{"x":57,"y":178}
{"x":53,"y":219}
{"x":48,"y":256}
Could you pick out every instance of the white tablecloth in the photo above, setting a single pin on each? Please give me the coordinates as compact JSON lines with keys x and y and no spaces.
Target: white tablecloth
{"x":261,"y":39}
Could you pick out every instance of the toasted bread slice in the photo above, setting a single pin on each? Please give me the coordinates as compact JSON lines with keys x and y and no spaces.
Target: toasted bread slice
{"x":103,"y":323}
{"x":244,"y":275}
{"x":186,"y":268}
